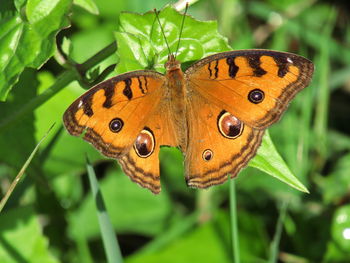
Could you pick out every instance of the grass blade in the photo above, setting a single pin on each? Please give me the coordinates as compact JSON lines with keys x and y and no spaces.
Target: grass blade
{"x":21,"y":172}
{"x":234,"y":227}
{"x":274,"y":249}
{"x":109,"y":239}
{"x":323,"y":95}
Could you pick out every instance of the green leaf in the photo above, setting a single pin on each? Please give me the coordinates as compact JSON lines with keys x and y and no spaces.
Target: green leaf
{"x":22,"y":239}
{"x":269,"y":161}
{"x":189,"y":248}
{"x":16,"y":144}
{"x":27,"y":36}
{"x":141,"y":44}
{"x":88,"y":5}
{"x":63,"y":159}
{"x":209,"y":241}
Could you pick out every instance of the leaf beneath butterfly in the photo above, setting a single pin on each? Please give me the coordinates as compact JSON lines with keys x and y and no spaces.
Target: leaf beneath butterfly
{"x":269,"y":161}
{"x":141,"y":43}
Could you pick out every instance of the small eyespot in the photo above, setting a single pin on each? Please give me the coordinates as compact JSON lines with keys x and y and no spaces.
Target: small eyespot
{"x":116,"y":125}
{"x":229,"y":126}
{"x":256,"y":96}
{"x":144,"y":144}
{"x":207,"y":155}
{"x":80,"y":104}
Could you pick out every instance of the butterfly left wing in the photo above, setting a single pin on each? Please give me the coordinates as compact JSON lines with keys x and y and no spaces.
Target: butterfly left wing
{"x":121,"y":118}
{"x":219,"y":143}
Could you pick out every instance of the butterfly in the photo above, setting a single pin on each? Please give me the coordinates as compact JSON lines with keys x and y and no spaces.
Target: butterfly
{"x":215,"y":112}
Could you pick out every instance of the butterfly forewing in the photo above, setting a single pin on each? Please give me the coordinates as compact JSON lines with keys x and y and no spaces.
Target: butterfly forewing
{"x":111,"y":114}
{"x":254,"y":85}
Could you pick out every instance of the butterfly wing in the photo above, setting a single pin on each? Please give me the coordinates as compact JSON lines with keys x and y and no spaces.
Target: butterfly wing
{"x":144,"y":169}
{"x":112,"y":114}
{"x":213,"y":152}
{"x":254,"y":85}
{"x":232,"y":98}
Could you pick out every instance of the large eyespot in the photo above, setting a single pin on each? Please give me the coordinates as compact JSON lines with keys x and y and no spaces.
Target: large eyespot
{"x":116,"y":125}
{"x":144,"y":144}
{"x":207,"y":155}
{"x":256,"y":96}
{"x":229,"y":126}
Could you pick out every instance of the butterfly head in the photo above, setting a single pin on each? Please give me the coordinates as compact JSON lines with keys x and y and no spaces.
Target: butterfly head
{"x":172,"y":63}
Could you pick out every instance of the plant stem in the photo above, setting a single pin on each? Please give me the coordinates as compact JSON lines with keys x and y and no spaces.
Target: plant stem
{"x":234,"y":227}
{"x":62,"y":81}
{"x":98,"y":57}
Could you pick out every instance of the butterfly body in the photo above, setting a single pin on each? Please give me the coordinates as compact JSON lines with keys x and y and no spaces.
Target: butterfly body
{"x":175,"y":88}
{"x":215,"y":112}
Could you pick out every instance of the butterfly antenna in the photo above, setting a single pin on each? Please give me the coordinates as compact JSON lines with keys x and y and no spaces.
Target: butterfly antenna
{"x":161,"y":28}
{"x":181,"y":29}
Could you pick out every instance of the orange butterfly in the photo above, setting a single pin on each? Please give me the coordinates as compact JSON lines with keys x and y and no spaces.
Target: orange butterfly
{"x":215,"y":112}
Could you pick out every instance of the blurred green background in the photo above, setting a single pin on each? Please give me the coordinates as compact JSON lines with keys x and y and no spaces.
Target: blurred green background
{"x":51,"y":216}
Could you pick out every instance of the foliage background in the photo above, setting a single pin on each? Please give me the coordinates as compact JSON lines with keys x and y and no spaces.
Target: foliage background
{"x":51,"y":217}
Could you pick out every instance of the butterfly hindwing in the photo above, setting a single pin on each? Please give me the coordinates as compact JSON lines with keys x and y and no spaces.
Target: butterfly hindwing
{"x":254,"y":85}
{"x":143,"y":168}
{"x":214,"y":151}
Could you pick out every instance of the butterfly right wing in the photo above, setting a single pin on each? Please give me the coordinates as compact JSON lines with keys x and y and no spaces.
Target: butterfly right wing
{"x":232,"y":98}
{"x":256,"y":86}
{"x":219,"y":144}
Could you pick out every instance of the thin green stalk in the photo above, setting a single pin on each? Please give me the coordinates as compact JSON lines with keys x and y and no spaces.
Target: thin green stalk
{"x":274,"y":248}
{"x":83,"y":250}
{"x":205,"y":205}
{"x":234,"y":227}
{"x":98,"y":57}
{"x":109,"y":239}
{"x":45,"y":153}
{"x":305,"y":134}
{"x":21,"y":172}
